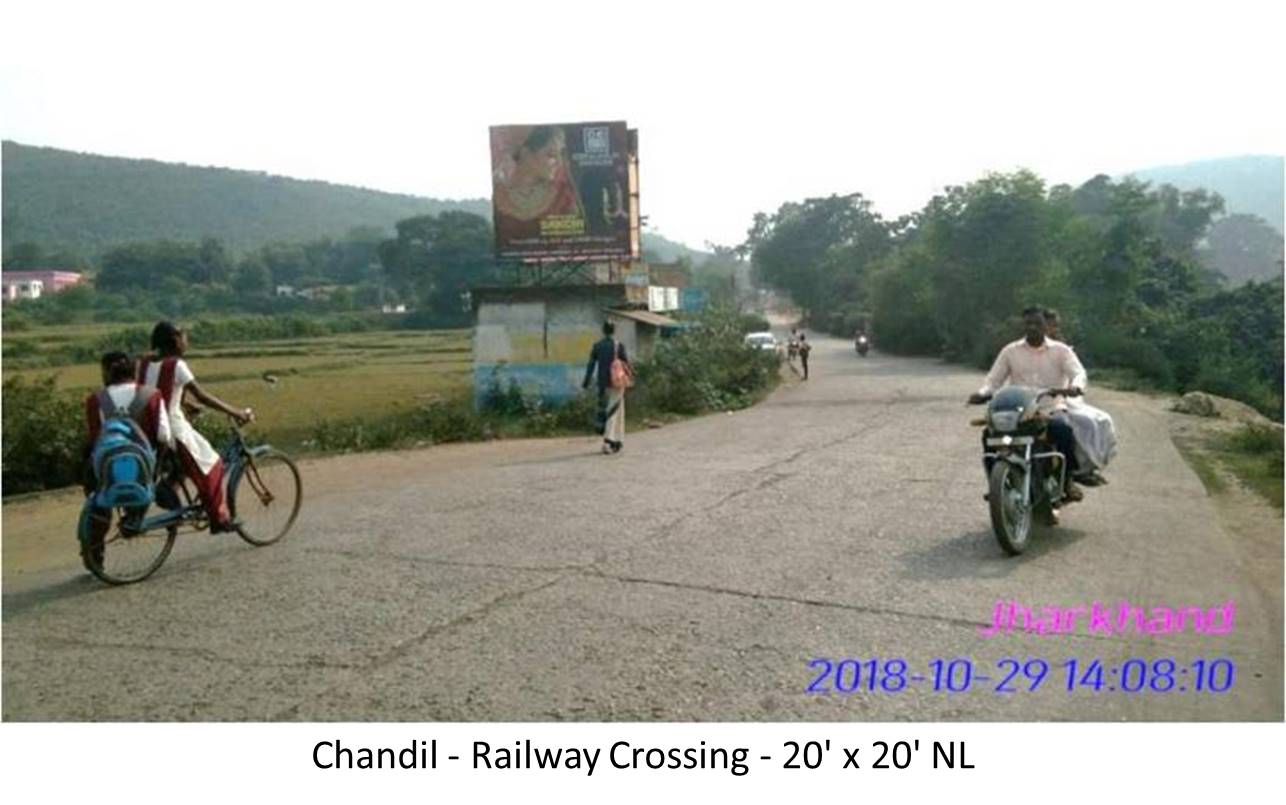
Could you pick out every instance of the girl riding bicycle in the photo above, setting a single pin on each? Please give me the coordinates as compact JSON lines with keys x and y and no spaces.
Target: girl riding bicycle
{"x":168,"y":373}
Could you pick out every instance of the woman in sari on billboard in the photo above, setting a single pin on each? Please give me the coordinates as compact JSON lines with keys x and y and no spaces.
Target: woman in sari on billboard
{"x":533,"y":184}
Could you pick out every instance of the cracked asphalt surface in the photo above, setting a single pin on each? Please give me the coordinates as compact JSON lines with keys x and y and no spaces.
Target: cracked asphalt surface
{"x":691,"y":577}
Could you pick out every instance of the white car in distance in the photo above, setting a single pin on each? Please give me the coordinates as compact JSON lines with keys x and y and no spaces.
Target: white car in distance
{"x":764,"y":340}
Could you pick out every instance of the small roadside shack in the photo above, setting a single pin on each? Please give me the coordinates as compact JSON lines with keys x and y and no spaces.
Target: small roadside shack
{"x":540,"y":336}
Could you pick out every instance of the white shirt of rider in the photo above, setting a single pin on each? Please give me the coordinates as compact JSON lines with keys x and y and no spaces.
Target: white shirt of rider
{"x":1051,"y":365}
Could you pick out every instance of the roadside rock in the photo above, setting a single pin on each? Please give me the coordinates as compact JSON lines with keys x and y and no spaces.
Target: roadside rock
{"x":1196,"y":403}
{"x":1199,"y":403}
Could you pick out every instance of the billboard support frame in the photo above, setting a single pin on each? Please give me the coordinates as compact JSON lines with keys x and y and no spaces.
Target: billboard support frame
{"x":553,"y":272}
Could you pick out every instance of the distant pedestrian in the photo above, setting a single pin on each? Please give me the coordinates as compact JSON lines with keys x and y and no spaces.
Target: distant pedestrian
{"x":615,"y":374}
{"x":804,"y":349}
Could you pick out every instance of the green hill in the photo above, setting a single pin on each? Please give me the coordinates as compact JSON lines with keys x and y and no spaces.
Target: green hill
{"x":1250,"y":185}
{"x":85,"y":204}
{"x":1246,"y":243}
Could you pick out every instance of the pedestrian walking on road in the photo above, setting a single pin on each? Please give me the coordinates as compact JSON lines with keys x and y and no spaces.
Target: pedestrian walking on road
{"x":615,"y":374}
{"x":804,"y":349}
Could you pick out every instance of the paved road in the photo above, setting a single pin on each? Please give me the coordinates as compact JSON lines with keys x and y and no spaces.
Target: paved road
{"x":691,"y":577}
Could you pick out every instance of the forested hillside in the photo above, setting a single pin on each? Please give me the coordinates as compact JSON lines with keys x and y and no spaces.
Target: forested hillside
{"x":86,"y":204}
{"x":1245,"y":242}
{"x":1249,"y":185}
{"x":82,"y":205}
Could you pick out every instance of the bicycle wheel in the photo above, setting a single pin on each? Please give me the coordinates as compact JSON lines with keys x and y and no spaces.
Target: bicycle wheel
{"x":117,"y":554}
{"x":265,"y":497}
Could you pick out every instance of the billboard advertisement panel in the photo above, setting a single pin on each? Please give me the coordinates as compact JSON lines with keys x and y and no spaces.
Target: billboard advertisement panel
{"x":563,"y":190}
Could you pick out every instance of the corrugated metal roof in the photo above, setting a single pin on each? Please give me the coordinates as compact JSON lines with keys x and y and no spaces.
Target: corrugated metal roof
{"x":646,"y":316}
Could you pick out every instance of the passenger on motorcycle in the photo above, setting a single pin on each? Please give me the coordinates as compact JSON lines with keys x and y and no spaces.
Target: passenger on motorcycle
{"x":1037,"y":361}
{"x":1094,"y":429}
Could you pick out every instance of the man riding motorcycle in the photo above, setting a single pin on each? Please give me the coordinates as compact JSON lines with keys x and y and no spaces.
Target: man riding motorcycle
{"x":1037,"y":361}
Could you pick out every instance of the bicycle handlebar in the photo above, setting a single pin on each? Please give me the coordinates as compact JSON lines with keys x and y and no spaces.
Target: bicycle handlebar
{"x":198,"y":411}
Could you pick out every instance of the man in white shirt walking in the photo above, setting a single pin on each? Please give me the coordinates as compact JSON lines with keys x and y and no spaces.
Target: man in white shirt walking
{"x":1039,"y":362}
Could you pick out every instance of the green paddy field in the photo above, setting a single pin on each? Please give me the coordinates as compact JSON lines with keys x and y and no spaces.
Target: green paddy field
{"x":366,"y":375}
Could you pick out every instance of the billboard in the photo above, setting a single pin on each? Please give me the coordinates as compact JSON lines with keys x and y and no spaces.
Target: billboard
{"x":564,"y":190}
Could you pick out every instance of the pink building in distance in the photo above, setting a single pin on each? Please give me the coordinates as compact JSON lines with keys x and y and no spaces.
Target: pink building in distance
{"x":34,"y":284}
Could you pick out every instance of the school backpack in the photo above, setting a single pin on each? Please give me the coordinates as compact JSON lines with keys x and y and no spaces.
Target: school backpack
{"x":123,"y":459}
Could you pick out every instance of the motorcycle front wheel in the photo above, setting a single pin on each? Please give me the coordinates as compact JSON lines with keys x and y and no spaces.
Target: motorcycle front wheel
{"x":1010,"y":519}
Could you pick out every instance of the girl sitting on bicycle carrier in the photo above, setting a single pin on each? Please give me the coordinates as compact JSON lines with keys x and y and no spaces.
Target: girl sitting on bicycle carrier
{"x":169,"y":374}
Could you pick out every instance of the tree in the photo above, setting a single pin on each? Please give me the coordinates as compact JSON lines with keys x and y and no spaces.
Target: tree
{"x":986,"y":246}
{"x":435,"y":259}
{"x":1244,"y":247}
{"x":143,"y":264}
{"x":213,"y":266}
{"x":286,"y":262}
{"x":253,"y":277}
{"x":28,"y":255}
{"x":816,"y":249}
{"x":25,"y":255}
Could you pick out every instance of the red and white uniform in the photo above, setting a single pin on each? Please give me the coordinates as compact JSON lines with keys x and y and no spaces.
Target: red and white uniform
{"x":154,"y":418}
{"x":201,"y":462}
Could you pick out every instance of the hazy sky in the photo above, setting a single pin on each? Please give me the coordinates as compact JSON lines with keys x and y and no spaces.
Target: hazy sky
{"x":739,"y":106}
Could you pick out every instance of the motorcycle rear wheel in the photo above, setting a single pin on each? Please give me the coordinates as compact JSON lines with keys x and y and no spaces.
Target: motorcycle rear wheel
{"x":1010,"y":519}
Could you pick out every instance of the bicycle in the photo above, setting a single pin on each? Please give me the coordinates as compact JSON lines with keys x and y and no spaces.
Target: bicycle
{"x":134,"y":545}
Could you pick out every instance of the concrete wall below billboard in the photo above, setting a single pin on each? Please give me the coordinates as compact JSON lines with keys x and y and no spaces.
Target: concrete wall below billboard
{"x":540,"y":339}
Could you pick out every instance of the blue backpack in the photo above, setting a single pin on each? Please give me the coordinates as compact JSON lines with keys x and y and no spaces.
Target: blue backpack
{"x":123,"y":459}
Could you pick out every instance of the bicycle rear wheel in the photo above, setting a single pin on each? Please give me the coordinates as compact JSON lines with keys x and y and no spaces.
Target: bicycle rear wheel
{"x":265,"y":497}
{"x":116,"y":553}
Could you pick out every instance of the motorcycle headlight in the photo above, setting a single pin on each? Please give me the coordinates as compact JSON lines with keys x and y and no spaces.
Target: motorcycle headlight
{"x":1004,"y":420}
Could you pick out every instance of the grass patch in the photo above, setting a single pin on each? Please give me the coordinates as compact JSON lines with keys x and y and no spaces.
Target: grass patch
{"x":1254,"y":454}
{"x":1203,"y":464}
{"x":443,"y":420}
{"x":1251,"y":454}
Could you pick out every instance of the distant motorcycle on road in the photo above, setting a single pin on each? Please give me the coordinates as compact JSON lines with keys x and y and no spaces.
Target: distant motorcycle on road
{"x":863,"y":345}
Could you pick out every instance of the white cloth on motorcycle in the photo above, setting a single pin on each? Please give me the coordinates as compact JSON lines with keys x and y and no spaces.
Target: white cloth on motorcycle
{"x":1095,"y":434}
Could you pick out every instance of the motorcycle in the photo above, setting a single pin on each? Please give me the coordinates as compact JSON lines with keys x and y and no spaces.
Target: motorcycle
{"x":1026,"y":475}
{"x":862,"y":344}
